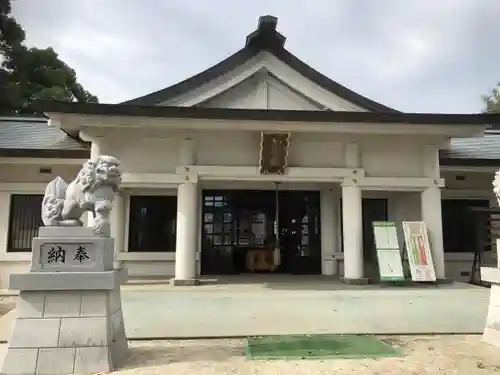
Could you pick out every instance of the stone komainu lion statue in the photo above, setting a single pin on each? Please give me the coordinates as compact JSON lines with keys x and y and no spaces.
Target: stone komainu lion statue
{"x":93,"y":190}
{"x":496,"y":186}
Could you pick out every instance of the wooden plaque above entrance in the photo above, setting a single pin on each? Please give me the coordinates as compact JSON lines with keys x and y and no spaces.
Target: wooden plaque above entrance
{"x":274,"y":153}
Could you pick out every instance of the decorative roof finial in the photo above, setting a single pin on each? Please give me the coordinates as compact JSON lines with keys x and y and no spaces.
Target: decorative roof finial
{"x":267,"y":23}
{"x":266,"y":37}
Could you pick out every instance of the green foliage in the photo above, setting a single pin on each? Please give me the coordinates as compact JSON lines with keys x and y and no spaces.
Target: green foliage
{"x":27,"y":74}
{"x":12,"y":34}
{"x":492,"y":101}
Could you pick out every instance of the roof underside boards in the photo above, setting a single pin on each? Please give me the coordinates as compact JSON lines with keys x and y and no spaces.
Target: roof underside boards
{"x":265,"y":38}
{"x":25,"y":134}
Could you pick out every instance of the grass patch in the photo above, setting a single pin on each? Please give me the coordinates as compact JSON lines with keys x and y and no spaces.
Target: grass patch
{"x":293,"y":347}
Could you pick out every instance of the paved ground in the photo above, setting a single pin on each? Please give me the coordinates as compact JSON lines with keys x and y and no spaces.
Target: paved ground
{"x":158,"y":310}
{"x":279,"y":307}
{"x":435,"y":355}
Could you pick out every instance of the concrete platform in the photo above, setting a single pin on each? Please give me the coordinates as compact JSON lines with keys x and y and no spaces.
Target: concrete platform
{"x":261,"y":305}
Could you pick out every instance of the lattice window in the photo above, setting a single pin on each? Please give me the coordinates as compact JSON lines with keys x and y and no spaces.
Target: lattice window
{"x":153,"y":222}
{"x":25,"y":219}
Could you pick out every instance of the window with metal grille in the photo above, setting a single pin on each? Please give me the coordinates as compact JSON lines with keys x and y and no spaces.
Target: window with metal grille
{"x":460,"y":225}
{"x":25,"y":219}
{"x":152,"y":225}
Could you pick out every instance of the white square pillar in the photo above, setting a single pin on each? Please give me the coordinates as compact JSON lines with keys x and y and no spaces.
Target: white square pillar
{"x":200,"y":233}
{"x":95,"y":151}
{"x":187,"y":234}
{"x":328,"y":206}
{"x":432,"y":217}
{"x":352,"y":216}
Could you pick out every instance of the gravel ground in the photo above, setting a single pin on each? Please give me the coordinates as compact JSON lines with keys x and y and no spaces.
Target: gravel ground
{"x":7,"y":304}
{"x":432,"y":355}
{"x":429,"y":355}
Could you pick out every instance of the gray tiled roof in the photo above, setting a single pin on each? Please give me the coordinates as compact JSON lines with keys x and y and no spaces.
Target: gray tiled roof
{"x":486,"y":147}
{"x":25,"y":133}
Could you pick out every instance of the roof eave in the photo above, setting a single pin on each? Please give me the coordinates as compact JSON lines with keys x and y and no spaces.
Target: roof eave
{"x":53,"y":108}
{"x":45,"y":153}
{"x":468,"y":162}
{"x":197,"y":80}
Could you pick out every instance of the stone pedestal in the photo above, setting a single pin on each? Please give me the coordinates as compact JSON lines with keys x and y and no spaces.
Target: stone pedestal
{"x":69,"y":315}
{"x":491,"y":334}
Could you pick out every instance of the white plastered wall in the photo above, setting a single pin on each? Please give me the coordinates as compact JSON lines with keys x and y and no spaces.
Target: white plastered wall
{"x":380,"y":156}
{"x":162,"y":156}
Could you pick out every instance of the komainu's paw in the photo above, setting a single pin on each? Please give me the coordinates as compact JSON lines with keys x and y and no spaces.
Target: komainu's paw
{"x":97,"y":228}
{"x":102,"y":229}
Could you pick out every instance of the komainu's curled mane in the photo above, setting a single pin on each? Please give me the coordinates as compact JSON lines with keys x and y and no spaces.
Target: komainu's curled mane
{"x":93,"y":189}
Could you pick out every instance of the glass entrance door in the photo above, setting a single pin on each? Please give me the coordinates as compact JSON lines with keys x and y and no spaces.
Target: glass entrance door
{"x":238,"y":221}
{"x":299,"y":223}
{"x":217,"y":236}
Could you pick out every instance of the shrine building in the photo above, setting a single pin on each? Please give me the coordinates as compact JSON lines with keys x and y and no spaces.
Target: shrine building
{"x":258,"y":144}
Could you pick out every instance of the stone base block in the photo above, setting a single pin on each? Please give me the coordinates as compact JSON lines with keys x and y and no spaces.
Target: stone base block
{"x":67,"y":332}
{"x":491,"y":333}
{"x":68,"y":232}
{"x":491,"y":336}
{"x":490,"y":275}
{"x":360,"y":281}
{"x":185,"y":282}
{"x":36,"y":281}
{"x":69,"y":253}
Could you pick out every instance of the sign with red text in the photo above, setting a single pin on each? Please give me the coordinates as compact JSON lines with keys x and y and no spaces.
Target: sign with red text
{"x":419,"y":251}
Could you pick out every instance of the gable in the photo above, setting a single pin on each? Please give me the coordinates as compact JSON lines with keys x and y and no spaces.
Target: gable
{"x":280,"y":86}
{"x":263,"y":52}
{"x":262,"y":91}
{"x":282,"y":96}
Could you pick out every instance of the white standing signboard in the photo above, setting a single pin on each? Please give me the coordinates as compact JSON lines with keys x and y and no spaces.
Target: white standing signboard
{"x":419,"y":251}
{"x":388,"y":253}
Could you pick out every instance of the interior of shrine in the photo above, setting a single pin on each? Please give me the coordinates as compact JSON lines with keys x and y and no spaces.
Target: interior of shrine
{"x":239,"y":231}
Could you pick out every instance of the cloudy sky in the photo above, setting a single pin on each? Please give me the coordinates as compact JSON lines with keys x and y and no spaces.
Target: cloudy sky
{"x":412,"y":55}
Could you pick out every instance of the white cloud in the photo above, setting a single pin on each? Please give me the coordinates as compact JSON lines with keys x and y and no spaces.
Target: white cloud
{"x":418,"y":55}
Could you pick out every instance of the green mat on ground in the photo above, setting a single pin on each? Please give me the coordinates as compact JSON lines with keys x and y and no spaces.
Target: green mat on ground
{"x":317,"y":347}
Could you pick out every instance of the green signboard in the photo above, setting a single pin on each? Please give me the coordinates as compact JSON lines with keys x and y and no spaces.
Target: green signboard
{"x":390,"y":265}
